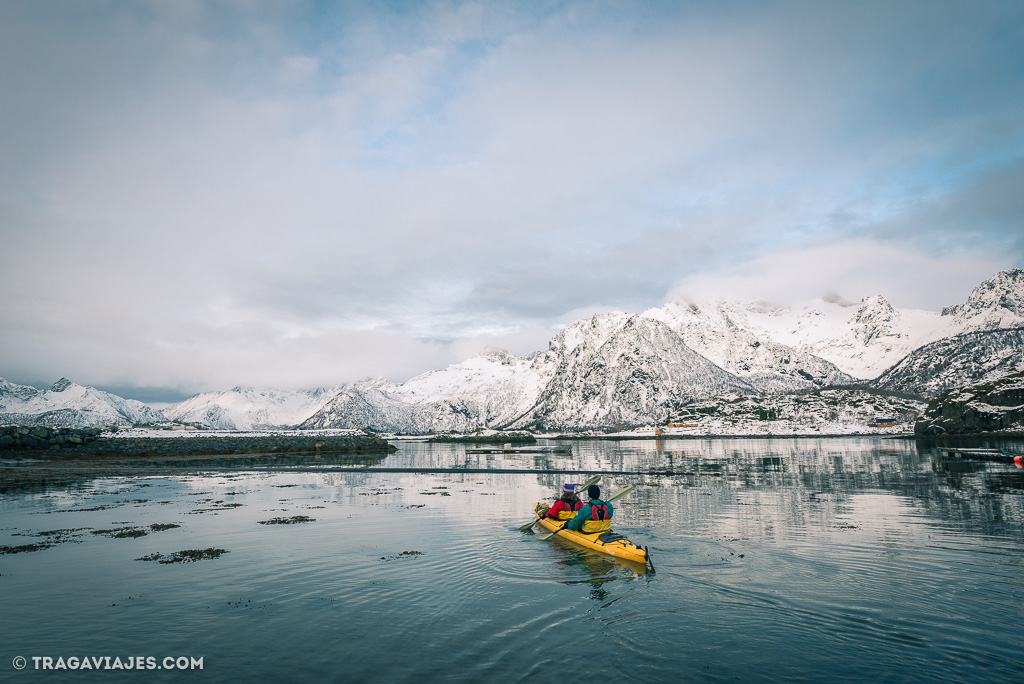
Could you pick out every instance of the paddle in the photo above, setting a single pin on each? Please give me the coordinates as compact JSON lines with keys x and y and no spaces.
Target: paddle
{"x":593,"y":480}
{"x":617,"y":495}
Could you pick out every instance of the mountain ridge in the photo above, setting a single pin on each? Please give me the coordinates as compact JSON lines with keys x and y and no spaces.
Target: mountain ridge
{"x":66,"y":404}
{"x":619,"y":368}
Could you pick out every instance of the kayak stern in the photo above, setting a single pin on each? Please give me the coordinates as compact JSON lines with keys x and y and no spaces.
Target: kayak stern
{"x":612,"y":544}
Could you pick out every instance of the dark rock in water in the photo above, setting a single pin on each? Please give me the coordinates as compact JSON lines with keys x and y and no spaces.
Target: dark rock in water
{"x":995,"y":406}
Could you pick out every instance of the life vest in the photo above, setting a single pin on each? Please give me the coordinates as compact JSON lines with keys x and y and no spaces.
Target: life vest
{"x":567,"y":511}
{"x":600,"y":518}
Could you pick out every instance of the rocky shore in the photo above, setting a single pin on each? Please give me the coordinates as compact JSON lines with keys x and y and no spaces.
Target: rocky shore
{"x":988,"y":407}
{"x":30,"y":460}
{"x":223,"y":445}
{"x":84,"y":442}
{"x":31,"y":437}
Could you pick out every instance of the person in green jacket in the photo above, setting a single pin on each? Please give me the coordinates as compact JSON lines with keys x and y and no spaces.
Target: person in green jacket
{"x":595,"y":516}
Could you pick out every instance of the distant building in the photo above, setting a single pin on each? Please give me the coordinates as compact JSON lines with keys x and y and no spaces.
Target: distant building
{"x":885,"y":422}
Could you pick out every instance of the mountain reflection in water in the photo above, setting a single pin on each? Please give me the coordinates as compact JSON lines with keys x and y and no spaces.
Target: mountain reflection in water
{"x":777,"y":559}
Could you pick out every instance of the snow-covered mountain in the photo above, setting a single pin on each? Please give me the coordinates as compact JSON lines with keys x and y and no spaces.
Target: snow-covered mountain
{"x":830,"y":340}
{"x":493,"y":388}
{"x":958,"y":361}
{"x":619,"y":369}
{"x":246,"y":408}
{"x":612,"y":368}
{"x":374,"y":403}
{"x":996,"y":303}
{"x":861,"y":340}
{"x":496,"y":386}
{"x":722,"y":332}
{"x":66,"y":404}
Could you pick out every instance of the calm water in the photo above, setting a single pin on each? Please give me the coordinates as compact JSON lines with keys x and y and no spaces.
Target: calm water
{"x":776,"y":560}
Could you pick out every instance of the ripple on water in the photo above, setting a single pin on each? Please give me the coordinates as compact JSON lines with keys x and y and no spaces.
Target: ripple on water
{"x":785,"y":570}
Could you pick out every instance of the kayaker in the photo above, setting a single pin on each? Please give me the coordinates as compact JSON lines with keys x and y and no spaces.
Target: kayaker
{"x":567,"y":505}
{"x":594,"y":516}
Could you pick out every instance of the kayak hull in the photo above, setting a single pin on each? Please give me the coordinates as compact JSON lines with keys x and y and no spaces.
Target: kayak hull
{"x":620,"y":548}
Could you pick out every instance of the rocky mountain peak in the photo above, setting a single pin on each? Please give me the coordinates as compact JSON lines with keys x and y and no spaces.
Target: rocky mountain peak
{"x":595,"y":329}
{"x":874,"y":319}
{"x":1001,"y":295}
{"x":61,"y":385}
{"x":874,"y":306}
{"x":82,"y":407}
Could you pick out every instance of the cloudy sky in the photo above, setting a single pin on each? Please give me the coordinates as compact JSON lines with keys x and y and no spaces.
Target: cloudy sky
{"x":196,"y":195}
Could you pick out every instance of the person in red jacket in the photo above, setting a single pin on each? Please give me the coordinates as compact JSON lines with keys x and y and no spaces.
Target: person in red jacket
{"x":567,"y":505}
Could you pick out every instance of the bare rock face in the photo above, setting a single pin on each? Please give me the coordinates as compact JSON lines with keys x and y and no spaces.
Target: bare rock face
{"x":996,"y":406}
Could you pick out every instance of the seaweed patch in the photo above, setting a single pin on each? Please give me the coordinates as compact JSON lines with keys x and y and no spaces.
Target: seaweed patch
{"x":186,"y":556}
{"x":295,"y":519}
{"x":123,"y":532}
{"x":25,"y":548}
{"x":403,"y":554}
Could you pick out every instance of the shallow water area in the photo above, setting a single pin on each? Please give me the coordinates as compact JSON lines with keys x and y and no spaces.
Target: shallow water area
{"x":791,"y":559}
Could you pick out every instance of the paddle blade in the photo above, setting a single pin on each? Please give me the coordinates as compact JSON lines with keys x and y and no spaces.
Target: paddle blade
{"x":523,"y":528}
{"x":621,"y":493}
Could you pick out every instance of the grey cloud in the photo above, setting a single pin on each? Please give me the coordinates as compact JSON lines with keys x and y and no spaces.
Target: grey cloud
{"x":981,"y":215}
{"x":352,"y":185}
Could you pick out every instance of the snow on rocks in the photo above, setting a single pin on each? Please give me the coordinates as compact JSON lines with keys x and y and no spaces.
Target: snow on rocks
{"x":67,"y":404}
{"x":620,"y":369}
{"x":993,"y":406}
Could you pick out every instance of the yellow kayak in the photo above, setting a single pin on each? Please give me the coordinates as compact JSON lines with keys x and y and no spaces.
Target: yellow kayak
{"x":605,"y":542}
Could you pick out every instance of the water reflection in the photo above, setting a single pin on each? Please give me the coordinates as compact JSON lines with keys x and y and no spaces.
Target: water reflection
{"x":776,"y":488}
{"x":778,"y":559}
{"x":39,"y":475}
